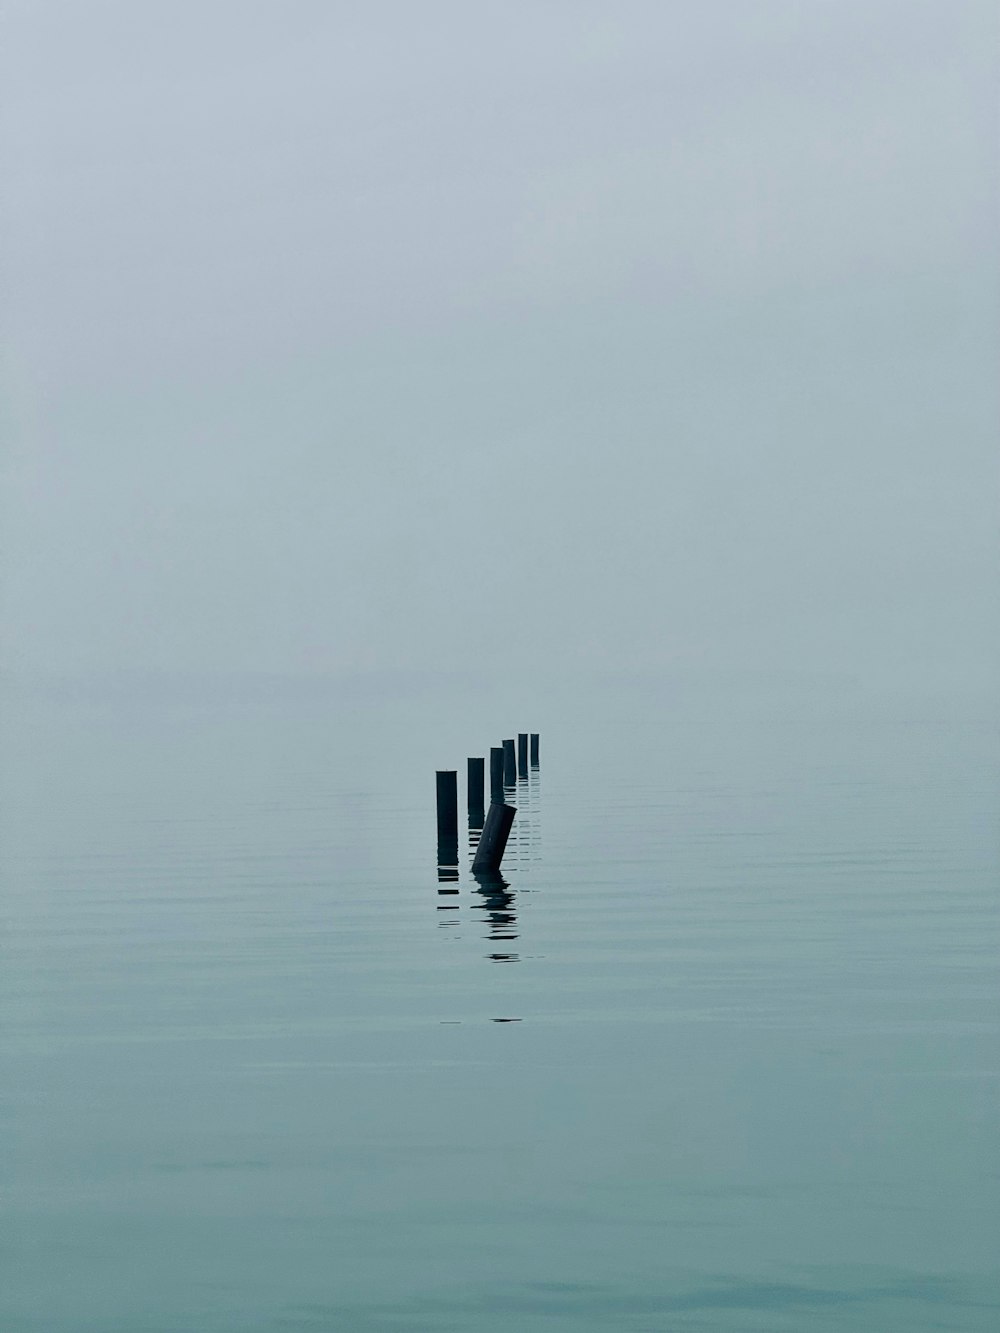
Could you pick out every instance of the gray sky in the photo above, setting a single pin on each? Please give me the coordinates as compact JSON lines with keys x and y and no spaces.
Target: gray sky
{"x":634,"y":335}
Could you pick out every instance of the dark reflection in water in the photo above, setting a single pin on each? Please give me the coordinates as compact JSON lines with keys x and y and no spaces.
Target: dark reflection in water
{"x":477,"y":820}
{"x":498,"y":906}
{"x":447,"y":860}
{"x":524,"y":844}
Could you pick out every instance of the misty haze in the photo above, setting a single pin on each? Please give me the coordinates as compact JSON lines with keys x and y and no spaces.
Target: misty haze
{"x":385,"y":382}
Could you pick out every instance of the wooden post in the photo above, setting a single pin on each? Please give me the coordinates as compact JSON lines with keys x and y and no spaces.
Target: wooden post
{"x":475,"y":786}
{"x":509,"y":764}
{"x":496,"y":772}
{"x":492,"y":844}
{"x":447,"y":807}
{"x":522,"y":754}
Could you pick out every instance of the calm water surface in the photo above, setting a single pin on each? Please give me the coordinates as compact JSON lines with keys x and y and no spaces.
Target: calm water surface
{"x":722,"y":1055}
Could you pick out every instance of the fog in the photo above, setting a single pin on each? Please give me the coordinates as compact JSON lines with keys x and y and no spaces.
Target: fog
{"x":643,"y":337}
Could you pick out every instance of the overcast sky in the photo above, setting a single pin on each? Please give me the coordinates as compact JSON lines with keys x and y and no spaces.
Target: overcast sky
{"x":350,"y":336}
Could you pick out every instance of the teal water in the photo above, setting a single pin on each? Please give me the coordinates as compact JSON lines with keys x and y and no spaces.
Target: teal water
{"x":254,"y":1077}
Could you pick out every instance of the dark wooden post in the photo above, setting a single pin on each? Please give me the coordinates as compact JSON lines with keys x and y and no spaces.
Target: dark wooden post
{"x":447,"y":817}
{"x":522,"y":754}
{"x":496,"y":772}
{"x":447,"y":803}
{"x":534,"y":749}
{"x":476,"y":784}
{"x":509,"y":764}
{"x":491,"y":847}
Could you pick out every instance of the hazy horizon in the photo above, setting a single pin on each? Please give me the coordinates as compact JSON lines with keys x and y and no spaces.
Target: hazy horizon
{"x":660,"y":339}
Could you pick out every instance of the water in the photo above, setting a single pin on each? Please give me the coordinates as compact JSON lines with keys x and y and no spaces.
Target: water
{"x":722,"y":1055}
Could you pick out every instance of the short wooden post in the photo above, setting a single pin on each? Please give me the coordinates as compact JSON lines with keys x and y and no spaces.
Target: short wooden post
{"x":496,"y":772}
{"x":534,"y":749}
{"x":522,"y":754}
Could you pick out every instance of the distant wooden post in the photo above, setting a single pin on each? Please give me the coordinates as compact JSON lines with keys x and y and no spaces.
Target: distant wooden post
{"x":534,"y":749}
{"x":496,"y":772}
{"x":522,"y":754}
{"x":509,"y":764}
{"x":475,"y":786}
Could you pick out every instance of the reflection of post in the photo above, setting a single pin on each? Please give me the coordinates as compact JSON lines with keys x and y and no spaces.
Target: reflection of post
{"x":496,"y":772}
{"x":534,"y":749}
{"x":500,"y":915}
{"x":522,"y":754}
{"x":509,"y":764}
{"x":491,"y":847}
{"x":476,"y":785}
